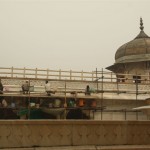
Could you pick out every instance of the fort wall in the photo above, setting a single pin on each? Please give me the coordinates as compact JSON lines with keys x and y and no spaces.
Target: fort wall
{"x":47,"y":133}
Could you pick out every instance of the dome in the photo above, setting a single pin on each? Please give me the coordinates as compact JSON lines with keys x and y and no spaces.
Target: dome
{"x":135,"y":50}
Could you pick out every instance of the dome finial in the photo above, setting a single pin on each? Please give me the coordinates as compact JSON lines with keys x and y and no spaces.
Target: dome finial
{"x":141,"y":24}
{"x":142,"y":33}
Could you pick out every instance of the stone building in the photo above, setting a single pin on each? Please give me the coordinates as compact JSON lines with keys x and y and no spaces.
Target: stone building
{"x":133,"y":58}
{"x":114,"y":100}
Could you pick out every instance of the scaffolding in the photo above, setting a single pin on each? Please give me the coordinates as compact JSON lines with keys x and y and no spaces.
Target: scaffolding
{"x":102,"y":82}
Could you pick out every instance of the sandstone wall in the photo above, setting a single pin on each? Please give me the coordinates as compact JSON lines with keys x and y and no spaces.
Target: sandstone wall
{"x":46,"y":133}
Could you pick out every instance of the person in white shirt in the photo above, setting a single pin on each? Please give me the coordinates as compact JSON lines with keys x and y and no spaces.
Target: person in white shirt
{"x":48,"y":88}
{"x":3,"y":102}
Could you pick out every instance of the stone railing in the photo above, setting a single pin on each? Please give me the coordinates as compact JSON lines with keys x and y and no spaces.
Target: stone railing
{"x":52,"y":74}
{"x":48,"y":74}
{"x":71,"y":133}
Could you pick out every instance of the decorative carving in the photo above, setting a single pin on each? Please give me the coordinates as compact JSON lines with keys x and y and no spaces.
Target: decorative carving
{"x":29,"y":134}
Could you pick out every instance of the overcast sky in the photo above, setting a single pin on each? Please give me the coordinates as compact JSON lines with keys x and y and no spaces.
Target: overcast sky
{"x":68,"y":34}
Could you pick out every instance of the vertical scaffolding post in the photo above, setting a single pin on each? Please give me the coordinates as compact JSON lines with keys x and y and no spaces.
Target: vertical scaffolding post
{"x":12,"y":70}
{"x":65,"y":105}
{"x":36,"y":73}
{"x":24,"y":72}
{"x":47,"y":73}
{"x":29,"y":110}
{"x":117,"y":84}
{"x":102,"y":96}
{"x":97,"y":81}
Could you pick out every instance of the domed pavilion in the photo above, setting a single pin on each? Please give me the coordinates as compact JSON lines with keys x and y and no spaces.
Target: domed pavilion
{"x":133,"y":57}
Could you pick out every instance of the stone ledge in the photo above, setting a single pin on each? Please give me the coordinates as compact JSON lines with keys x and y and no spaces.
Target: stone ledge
{"x":124,"y":147}
{"x":72,"y":122}
{"x":119,"y":147}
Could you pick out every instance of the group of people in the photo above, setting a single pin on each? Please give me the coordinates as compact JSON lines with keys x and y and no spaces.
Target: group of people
{"x":26,"y":87}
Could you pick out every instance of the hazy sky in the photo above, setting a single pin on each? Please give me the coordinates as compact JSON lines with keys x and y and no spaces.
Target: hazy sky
{"x":68,"y":34}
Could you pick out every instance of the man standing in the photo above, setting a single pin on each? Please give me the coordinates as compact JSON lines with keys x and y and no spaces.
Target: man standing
{"x":1,"y":86}
{"x":48,"y":88}
{"x":25,"y":87}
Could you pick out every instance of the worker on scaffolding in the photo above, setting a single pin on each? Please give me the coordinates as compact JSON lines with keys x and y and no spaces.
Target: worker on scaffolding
{"x":87,"y":90}
{"x":3,"y":102}
{"x":1,"y":86}
{"x":25,"y":87}
{"x":48,"y":88}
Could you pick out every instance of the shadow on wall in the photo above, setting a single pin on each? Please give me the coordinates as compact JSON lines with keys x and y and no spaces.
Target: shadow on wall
{"x":76,"y":114}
